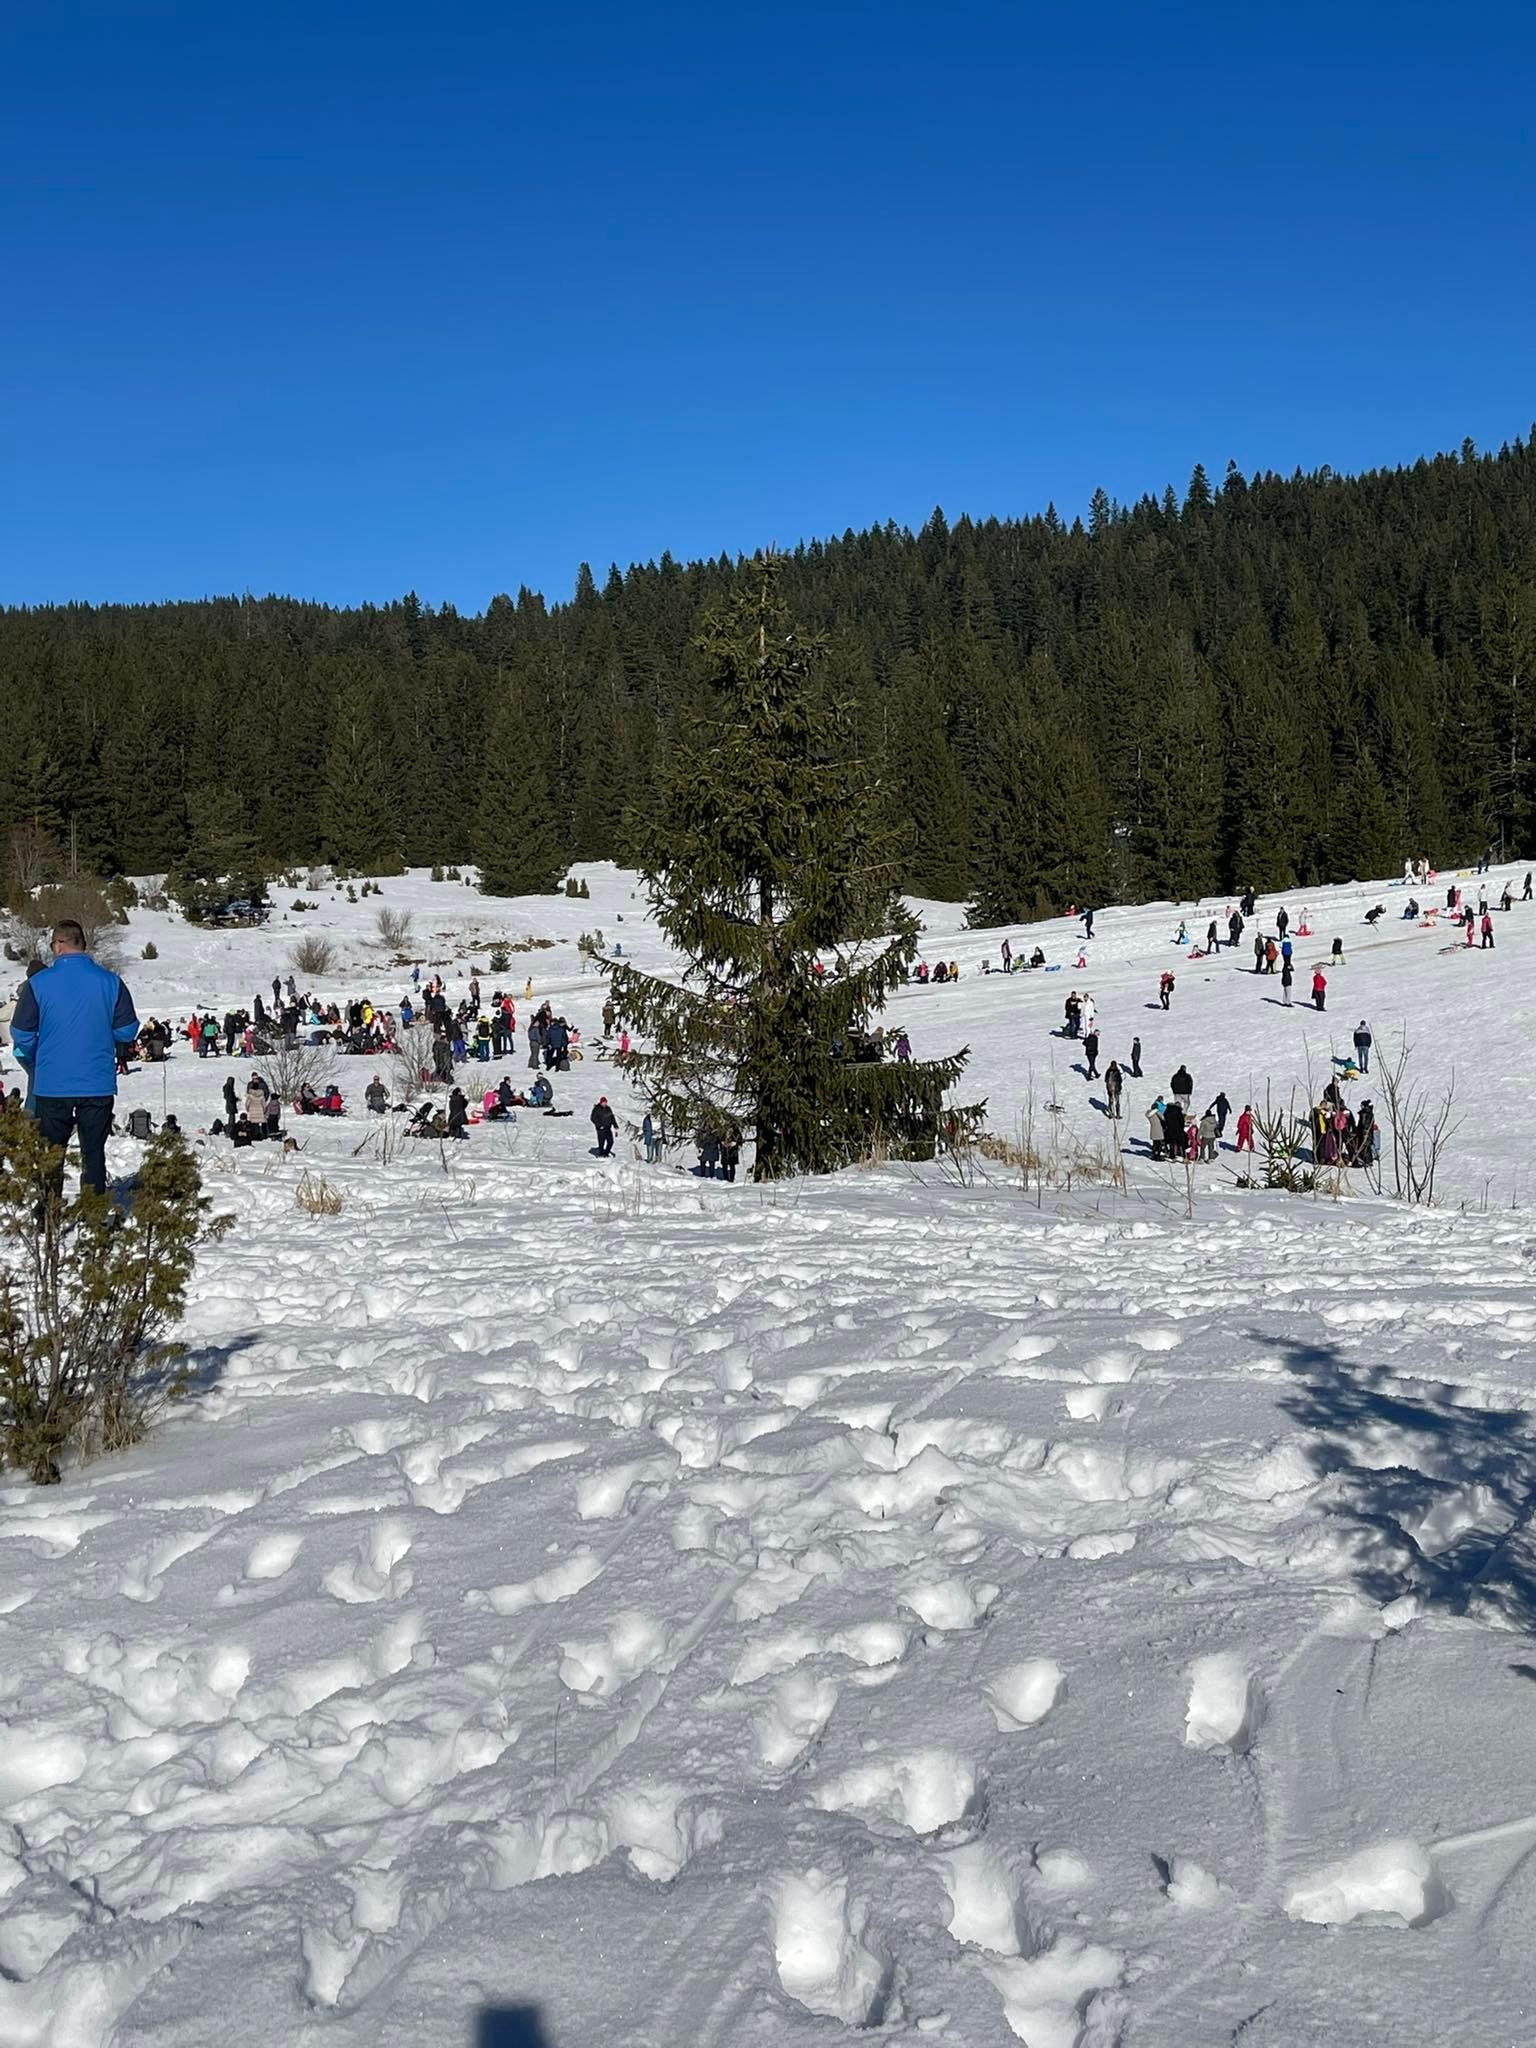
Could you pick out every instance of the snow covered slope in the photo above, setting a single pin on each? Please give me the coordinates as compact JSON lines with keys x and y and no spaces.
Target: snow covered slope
{"x":879,"y":1604}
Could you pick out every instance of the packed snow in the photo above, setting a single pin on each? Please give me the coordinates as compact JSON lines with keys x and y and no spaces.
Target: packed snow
{"x":910,"y":1603}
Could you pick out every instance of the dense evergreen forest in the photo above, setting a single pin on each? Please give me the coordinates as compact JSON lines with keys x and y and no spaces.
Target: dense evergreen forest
{"x":1277,"y":681}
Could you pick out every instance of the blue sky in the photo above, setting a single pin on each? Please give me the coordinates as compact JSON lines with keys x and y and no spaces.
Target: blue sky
{"x":344,"y":301}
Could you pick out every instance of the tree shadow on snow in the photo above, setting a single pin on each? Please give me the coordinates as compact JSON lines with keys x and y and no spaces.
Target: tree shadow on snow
{"x":510,"y":2026}
{"x":1439,"y":1497}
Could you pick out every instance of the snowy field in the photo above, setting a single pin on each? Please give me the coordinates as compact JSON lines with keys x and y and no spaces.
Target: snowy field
{"x":882,"y":1606}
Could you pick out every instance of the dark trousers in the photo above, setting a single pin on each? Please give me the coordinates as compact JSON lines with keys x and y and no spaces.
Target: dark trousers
{"x":605,"y":1144}
{"x":60,"y":1116}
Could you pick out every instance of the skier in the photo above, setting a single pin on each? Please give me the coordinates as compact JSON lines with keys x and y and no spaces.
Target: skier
{"x":605,"y":1123}
{"x":1363,"y":1046}
{"x":1319,"y":989}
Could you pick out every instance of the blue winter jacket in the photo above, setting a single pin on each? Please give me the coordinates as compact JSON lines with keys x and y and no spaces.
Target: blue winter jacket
{"x":69,"y":1022}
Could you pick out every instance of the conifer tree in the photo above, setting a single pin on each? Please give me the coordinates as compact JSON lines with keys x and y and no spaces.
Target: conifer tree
{"x":361,"y":826}
{"x":221,"y":860}
{"x":762,"y":871}
{"x":515,"y":841}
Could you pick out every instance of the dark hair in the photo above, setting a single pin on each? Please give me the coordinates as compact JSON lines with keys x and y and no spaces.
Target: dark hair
{"x":71,"y":931}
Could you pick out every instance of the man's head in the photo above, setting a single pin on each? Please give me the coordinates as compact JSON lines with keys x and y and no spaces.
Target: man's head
{"x":68,"y":936}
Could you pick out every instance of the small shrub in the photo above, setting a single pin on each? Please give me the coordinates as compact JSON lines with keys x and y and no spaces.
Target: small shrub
{"x":437,"y":871}
{"x":394,"y":929}
{"x":300,"y":904}
{"x":351,"y":893}
{"x":90,"y":1298}
{"x":313,"y":955}
{"x":501,"y":960}
{"x":584,"y":892}
{"x":454,"y":875}
{"x":151,"y":951}
{"x":317,"y":1196}
{"x":570,"y":886}
{"x":123,"y":896}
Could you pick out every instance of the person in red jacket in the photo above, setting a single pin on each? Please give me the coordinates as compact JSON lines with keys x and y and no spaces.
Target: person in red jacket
{"x":1319,"y":988}
{"x":1487,"y":928}
{"x":1245,"y":1129}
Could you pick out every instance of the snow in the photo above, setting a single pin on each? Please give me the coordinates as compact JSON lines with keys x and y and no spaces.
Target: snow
{"x":907,"y":1603}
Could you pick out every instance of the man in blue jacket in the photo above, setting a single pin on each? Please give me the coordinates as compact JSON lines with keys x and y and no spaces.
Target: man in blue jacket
{"x":69,"y":1022}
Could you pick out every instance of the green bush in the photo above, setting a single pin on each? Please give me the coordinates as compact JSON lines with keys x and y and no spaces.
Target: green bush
{"x":90,"y":1298}
{"x":151,"y":951}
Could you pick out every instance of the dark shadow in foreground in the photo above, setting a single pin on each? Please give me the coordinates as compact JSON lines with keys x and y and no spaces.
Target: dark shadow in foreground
{"x":510,"y":2026}
{"x":1441,"y":1495}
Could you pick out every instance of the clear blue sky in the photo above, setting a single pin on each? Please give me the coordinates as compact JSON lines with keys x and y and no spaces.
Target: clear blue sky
{"x":344,"y":300}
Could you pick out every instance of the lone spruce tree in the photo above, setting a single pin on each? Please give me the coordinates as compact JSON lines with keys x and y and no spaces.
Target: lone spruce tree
{"x":767,"y":864}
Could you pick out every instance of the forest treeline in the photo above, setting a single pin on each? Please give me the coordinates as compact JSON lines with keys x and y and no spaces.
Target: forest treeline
{"x":1275,"y":681}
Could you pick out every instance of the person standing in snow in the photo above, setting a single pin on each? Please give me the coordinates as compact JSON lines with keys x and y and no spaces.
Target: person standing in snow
{"x":1245,"y":1129}
{"x":68,"y":1025}
{"x":1136,"y":1059}
{"x":231,"y":1100}
{"x":1363,"y":1046}
{"x":1487,"y":929}
{"x":1212,"y":943}
{"x":1087,"y":924}
{"x":1165,"y":988}
{"x":1319,"y":989}
{"x":1155,"y":1128}
{"x":1525,"y":893}
{"x":1234,"y":929}
{"x":1175,"y":1131}
{"x":1182,"y":1087}
{"x":1208,"y":1135}
{"x":1282,"y":920}
{"x":1258,"y":952}
{"x":1287,"y":976}
{"x":1091,"y":1048}
{"x":1007,"y":957}
{"x":1222,"y":1109}
{"x":1113,"y":1082}
{"x":1338,"y":950}
{"x":605,"y":1123}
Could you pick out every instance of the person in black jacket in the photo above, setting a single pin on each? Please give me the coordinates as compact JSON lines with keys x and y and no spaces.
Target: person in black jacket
{"x":458,"y":1114}
{"x":605,"y":1123}
{"x":1183,"y":1087}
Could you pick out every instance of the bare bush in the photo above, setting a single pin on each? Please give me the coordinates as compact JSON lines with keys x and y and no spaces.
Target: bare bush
{"x":394,"y":928}
{"x":289,"y":1069}
{"x":1421,"y":1125}
{"x":313,"y":955}
{"x":32,"y":858}
{"x":411,"y":1063}
{"x":317,"y":1196}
